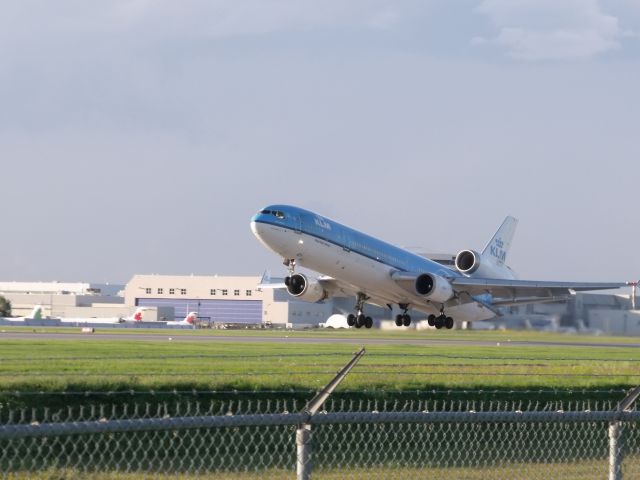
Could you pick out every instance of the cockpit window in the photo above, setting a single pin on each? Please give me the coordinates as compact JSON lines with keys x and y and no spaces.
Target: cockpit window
{"x":276,"y":213}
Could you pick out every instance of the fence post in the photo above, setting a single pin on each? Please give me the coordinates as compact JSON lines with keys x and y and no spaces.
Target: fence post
{"x":615,"y":456}
{"x":615,"y":440}
{"x":303,"y":433}
{"x":303,"y":451}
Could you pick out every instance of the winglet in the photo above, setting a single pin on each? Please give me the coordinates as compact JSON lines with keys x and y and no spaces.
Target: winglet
{"x":498,"y":247}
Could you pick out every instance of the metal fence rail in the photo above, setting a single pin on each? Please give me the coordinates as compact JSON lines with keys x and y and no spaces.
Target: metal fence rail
{"x":322,"y":439}
{"x":434,"y":444}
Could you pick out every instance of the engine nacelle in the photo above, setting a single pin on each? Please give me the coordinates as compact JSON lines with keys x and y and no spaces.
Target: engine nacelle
{"x":434,"y":287}
{"x":474,"y":264}
{"x":305,"y":289}
{"x":468,"y":261}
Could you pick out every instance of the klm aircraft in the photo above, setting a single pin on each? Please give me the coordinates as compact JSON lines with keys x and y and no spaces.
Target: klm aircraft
{"x":353,"y":263}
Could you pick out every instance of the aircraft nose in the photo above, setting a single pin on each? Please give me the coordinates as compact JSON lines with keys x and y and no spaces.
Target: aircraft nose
{"x":254,"y":227}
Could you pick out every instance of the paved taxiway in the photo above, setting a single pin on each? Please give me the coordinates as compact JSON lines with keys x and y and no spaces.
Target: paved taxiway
{"x":292,"y":338}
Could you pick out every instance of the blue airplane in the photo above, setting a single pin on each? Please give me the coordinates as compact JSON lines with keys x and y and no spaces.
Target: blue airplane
{"x":353,"y":263}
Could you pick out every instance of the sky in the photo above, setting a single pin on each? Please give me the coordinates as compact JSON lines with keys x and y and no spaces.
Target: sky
{"x":140,"y":136}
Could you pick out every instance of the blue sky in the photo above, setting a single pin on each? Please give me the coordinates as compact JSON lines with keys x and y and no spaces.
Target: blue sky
{"x":140,"y":136}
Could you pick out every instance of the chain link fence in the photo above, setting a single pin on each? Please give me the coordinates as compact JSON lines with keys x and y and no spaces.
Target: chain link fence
{"x":346,"y":440}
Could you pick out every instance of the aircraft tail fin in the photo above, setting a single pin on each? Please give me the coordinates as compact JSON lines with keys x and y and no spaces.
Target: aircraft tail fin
{"x":191,"y":318}
{"x":36,"y":313}
{"x":137,"y":315}
{"x":498,"y":247}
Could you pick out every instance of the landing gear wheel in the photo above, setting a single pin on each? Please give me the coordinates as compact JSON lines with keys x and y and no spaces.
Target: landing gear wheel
{"x":431,"y":320}
{"x":404,"y":319}
{"x":368,"y":322}
{"x":351,"y":319}
{"x":439,"y":322}
{"x":360,"y":320}
{"x":448,"y":323}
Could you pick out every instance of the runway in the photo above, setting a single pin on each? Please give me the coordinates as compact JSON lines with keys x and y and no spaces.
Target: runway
{"x":290,"y":338}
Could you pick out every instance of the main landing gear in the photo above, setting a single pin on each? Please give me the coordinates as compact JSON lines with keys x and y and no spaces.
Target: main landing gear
{"x":403,"y":319}
{"x":440,"y":321}
{"x":290,"y":263}
{"x":360,"y":320}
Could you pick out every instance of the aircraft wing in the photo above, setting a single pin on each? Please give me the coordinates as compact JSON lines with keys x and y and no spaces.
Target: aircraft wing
{"x":330,"y":284}
{"x":520,"y":291}
{"x":333,"y":286}
{"x":338,"y":288}
{"x":268,"y":282}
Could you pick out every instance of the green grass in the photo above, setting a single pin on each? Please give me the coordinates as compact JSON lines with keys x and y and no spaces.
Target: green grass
{"x":55,"y":364}
{"x":579,"y":470}
{"x":481,"y":335}
{"x":295,"y":370}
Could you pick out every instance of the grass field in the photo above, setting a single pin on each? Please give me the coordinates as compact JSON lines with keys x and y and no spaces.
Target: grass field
{"x":580,"y":470}
{"x":482,"y":335}
{"x":97,"y":365}
{"x":90,"y":370}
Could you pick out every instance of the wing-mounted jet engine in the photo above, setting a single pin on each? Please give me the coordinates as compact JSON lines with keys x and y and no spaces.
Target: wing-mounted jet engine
{"x":433,"y":287}
{"x":309,"y":290}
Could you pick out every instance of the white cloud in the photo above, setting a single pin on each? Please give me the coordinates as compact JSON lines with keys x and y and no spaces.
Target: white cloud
{"x":551,"y":29}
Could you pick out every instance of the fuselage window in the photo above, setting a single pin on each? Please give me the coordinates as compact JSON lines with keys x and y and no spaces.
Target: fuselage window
{"x":266,"y":212}
{"x":278,"y":214}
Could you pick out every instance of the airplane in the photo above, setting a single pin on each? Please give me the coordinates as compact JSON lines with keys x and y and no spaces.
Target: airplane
{"x":36,"y":314}
{"x":190,"y":319}
{"x":135,"y":317}
{"x":353,"y":263}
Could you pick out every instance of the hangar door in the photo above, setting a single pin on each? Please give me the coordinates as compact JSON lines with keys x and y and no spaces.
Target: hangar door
{"x":223,"y":311}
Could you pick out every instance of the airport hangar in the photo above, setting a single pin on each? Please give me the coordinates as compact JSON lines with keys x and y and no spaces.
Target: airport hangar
{"x":236,"y":300}
{"x":230,"y":300}
{"x":216,"y":299}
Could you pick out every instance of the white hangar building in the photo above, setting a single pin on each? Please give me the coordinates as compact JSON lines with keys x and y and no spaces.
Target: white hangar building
{"x":223,"y":299}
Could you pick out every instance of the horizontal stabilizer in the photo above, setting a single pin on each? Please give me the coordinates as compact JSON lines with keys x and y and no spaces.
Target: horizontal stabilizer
{"x":525,"y":288}
{"x":524,"y":301}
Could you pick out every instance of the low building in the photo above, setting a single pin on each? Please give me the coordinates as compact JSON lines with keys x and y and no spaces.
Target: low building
{"x":216,"y":299}
{"x":64,"y":299}
{"x":229,"y":300}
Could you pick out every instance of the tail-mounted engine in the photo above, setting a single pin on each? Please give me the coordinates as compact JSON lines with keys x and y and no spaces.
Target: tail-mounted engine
{"x":483,"y":265}
{"x":468,"y":261}
{"x":305,"y":289}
